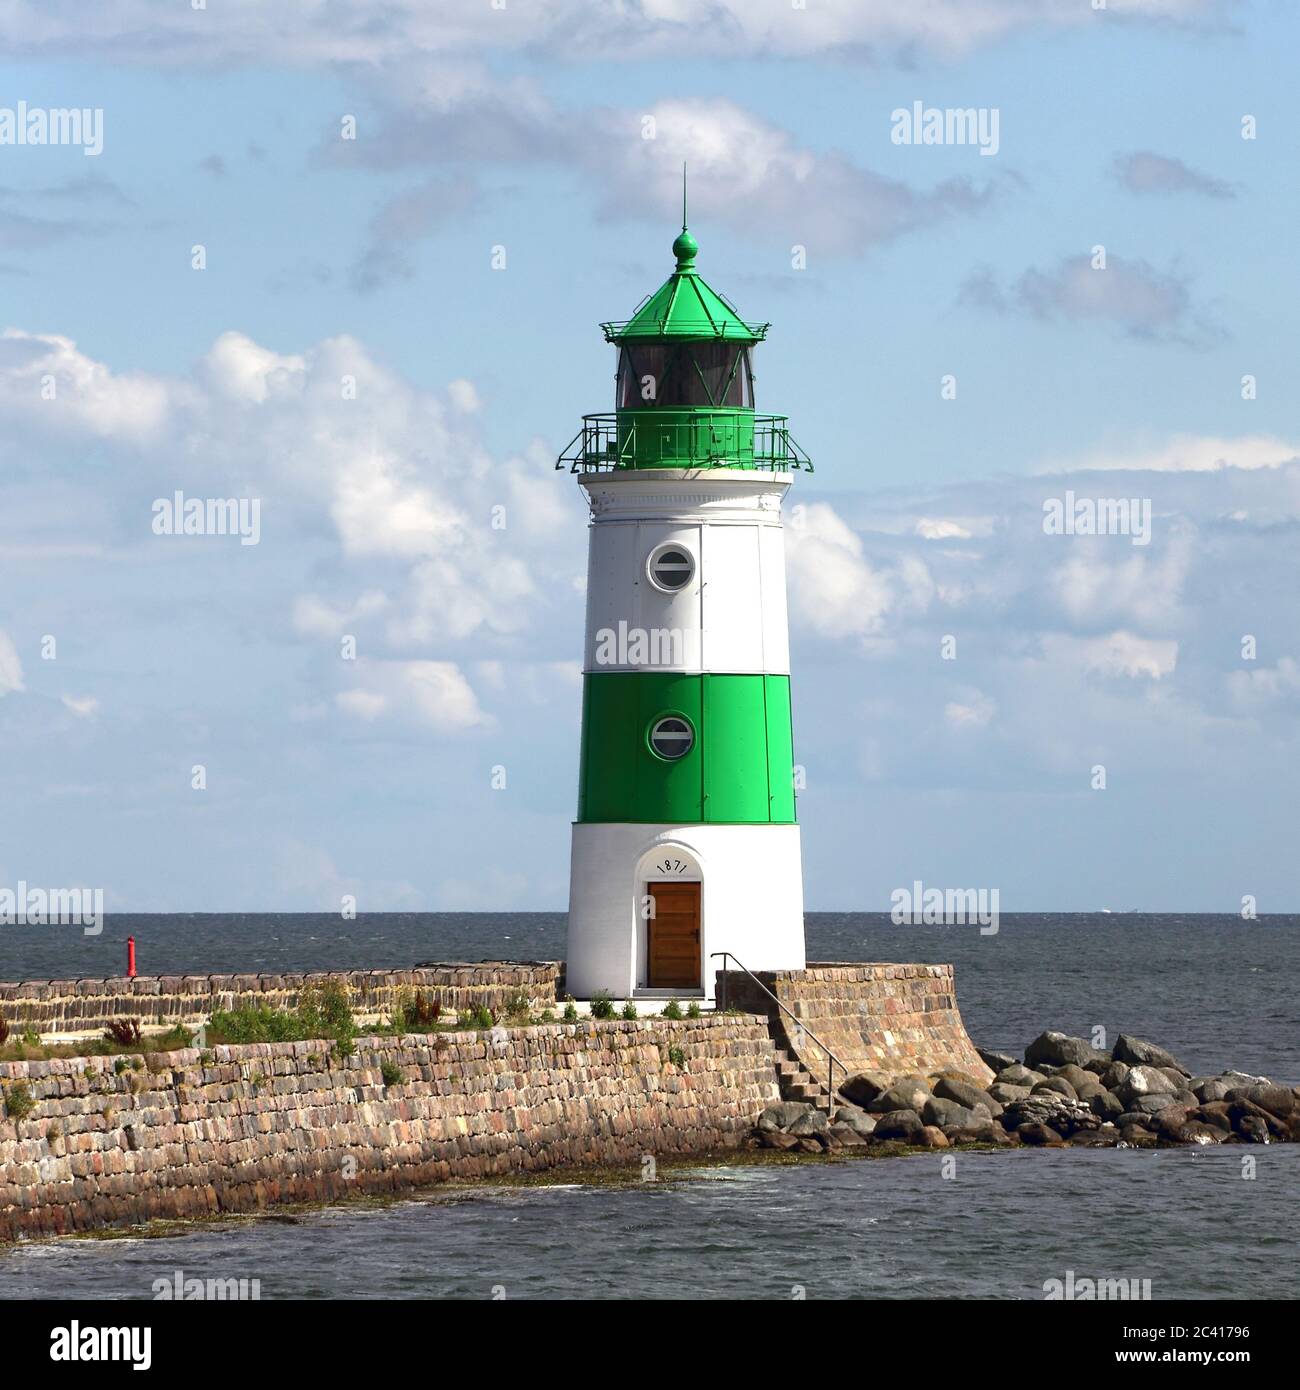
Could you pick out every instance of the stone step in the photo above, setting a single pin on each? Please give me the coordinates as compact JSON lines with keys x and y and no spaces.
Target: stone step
{"x":807,"y":1091}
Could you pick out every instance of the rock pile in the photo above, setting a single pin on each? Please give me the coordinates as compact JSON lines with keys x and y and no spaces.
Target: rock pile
{"x":1066,"y":1092}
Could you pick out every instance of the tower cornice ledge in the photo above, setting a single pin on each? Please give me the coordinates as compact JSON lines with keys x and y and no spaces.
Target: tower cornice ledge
{"x":751,"y":497}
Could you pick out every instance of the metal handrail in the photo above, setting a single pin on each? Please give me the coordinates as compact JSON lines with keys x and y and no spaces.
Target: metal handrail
{"x":832,"y":1060}
{"x":755,"y":331}
{"x":607,"y":441}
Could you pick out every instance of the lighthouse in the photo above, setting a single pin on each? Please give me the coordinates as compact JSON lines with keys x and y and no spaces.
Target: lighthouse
{"x":686,"y":843}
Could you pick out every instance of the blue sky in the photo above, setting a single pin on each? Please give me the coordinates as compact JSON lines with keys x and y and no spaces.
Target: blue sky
{"x":372,"y":258}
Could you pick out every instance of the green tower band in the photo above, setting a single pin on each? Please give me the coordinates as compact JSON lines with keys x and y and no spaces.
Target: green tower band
{"x":738,"y":770}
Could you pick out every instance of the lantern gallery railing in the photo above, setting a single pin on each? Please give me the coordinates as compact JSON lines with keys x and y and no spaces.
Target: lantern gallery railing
{"x":683,"y":439}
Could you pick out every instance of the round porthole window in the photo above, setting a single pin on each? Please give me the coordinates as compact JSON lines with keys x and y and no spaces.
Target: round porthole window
{"x":671,"y":568}
{"x":672,"y":737}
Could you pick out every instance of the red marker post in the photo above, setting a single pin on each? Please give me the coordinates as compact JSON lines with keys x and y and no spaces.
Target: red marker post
{"x":130,"y":958}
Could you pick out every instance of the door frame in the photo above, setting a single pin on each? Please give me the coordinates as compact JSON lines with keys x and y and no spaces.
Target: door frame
{"x":667,"y":861}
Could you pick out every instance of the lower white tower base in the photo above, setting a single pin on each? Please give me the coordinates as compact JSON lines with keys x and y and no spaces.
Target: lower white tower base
{"x":750,"y":900}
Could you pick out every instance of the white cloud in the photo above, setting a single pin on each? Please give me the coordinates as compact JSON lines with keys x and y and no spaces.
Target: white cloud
{"x":1091,"y":586}
{"x":332,"y":442}
{"x":88,"y":398}
{"x":438,"y":603}
{"x":435,"y":73}
{"x":974,"y":710}
{"x":361,"y":704}
{"x":433,"y":694}
{"x":1131,"y":295}
{"x":238,"y":369}
{"x":542,"y":683}
{"x":1145,"y":172}
{"x":1185,"y":453}
{"x":1070,"y":650}
{"x":833,"y":590}
{"x":940,"y":529}
{"x":1116,"y":654}
{"x":413,"y":36}
{"x":11,"y":668}
{"x":533,"y":506}
{"x":441,"y":696}
{"x":308,"y":713}
{"x":380,"y":508}
{"x":316,"y":617}
{"x":748,"y":174}
{"x":1256,"y":689}
{"x":463,"y":396}
{"x":83,"y":706}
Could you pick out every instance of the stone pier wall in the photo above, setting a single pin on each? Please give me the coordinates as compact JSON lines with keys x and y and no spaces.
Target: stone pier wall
{"x":892,"y":1019}
{"x":69,"y":1007}
{"x":238,"y":1129}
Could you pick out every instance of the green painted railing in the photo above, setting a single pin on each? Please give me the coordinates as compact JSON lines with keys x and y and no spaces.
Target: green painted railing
{"x":690,"y":438}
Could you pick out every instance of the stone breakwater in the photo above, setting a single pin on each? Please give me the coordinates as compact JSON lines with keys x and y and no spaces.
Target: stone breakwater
{"x":1065,"y":1092}
{"x":240,"y":1128}
{"x":889,"y":1020}
{"x":99,"y":1141}
{"x":69,"y":1007}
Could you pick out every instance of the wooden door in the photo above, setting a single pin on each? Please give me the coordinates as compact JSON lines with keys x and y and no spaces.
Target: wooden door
{"x":674,"y":950}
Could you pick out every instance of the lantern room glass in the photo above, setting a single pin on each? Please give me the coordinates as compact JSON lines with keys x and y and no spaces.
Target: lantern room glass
{"x":713,"y":373}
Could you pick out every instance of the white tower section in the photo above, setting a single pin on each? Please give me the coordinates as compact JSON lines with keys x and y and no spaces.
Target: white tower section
{"x":677,"y":859}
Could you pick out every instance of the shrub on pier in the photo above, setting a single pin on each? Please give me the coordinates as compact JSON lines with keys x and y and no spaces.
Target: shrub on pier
{"x":18,"y":1101}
